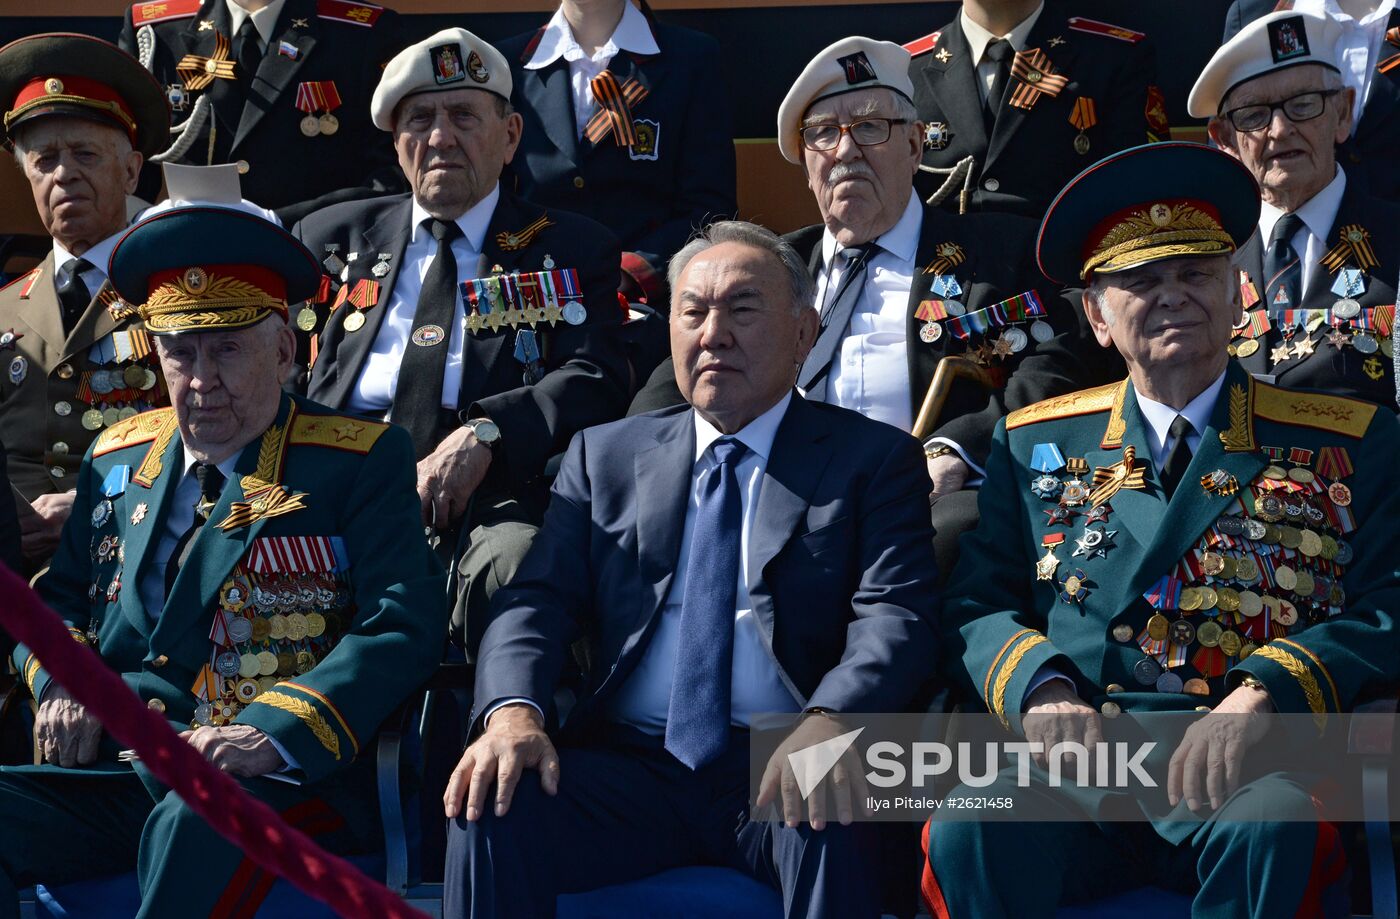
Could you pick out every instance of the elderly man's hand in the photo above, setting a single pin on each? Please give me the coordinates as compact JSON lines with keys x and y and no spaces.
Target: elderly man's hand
{"x":514,"y":740}
{"x":40,"y":531}
{"x":67,"y":734}
{"x":1207,"y":762}
{"x":238,"y":749}
{"x":449,"y":476}
{"x":948,"y":473}
{"x":1055,"y":714}
{"x":845,"y":780}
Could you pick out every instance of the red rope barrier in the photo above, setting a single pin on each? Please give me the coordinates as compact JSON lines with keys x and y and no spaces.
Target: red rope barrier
{"x":243,"y":820}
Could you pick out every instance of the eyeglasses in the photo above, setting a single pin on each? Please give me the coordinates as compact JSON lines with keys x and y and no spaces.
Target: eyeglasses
{"x":1302,"y":107}
{"x":868,"y":132}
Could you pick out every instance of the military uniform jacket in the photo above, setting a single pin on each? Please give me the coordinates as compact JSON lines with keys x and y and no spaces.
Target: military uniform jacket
{"x":994,"y":252}
{"x":57,"y":392}
{"x":1369,"y":155}
{"x":1353,"y":363}
{"x":680,"y":176}
{"x":1031,"y":153}
{"x":1290,"y":578}
{"x":586,"y":374}
{"x":338,"y":44}
{"x":311,"y":578}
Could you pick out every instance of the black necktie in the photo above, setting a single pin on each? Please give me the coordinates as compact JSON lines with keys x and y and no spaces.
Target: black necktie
{"x":418,"y":396}
{"x":1000,"y":52}
{"x":837,"y":310}
{"x":211,"y":485}
{"x":249,"y":54}
{"x":1282,"y":269}
{"x":1180,"y":456}
{"x":73,"y":294}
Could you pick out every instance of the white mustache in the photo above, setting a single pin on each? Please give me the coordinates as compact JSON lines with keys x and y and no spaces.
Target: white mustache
{"x":856,"y":170}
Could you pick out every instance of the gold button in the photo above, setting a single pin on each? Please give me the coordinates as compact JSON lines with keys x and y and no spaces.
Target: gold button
{"x":578,"y":181}
{"x":1113,"y":687}
{"x":159,"y":660}
{"x":1111,"y":709}
{"x":1203,"y":708}
{"x":243,"y":167}
{"x":156,"y":705}
{"x":64,"y":371}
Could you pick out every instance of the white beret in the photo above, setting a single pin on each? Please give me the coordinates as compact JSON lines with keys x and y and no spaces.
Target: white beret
{"x":850,"y":64}
{"x":451,"y":59}
{"x":1269,"y":43}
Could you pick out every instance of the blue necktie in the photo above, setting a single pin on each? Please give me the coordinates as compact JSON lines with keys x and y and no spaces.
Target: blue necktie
{"x":697,"y":724}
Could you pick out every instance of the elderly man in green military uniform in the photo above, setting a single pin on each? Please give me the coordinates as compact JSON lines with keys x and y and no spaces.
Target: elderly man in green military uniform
{"x":80,"y":115}
{"x":249,"y":562}
{"x":1188,"y":540}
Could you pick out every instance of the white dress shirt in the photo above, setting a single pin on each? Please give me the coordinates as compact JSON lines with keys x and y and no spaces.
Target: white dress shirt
{"x":633,"y":33}
{"x":979,"y":38}
{"x":870,"y":371}
{"x":1159,"y":418}
{"x":264,"y":20}
{"x":755,"y":683}
{"x":379,"y":376}
{"x":1360,"y":47}
{"x":1318,"y":214}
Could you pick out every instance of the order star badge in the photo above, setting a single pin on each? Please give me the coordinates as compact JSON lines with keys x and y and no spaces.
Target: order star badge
{"x":1280,"y":353}
{"x":1094,"y":543}
{"x":1303,"y":347}
{"x":139,"y":513}
{"x":299,"y":24}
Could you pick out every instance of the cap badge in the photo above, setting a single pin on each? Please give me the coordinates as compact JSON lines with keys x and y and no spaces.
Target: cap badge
{"x":447,"y":63}
{"x":1160,"y":214}
{"x":477,"y":69}
{"x":196,"y":280}
{"x":53,"y":86}
{"x":857,"y":67}
{"x":1288,"y":38}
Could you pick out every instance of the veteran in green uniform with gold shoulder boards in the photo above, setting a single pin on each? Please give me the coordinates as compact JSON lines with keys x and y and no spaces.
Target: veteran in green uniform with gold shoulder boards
{"x":80,"y":116}
{"x":251,"y":563}
{"x":1188,"y":539}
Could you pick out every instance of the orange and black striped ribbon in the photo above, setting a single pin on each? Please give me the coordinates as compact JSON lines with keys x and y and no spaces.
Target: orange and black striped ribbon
{"x":1035,"y":77}
{"x":1354,"y":242}
{"x":511,"y":242}
{"x":198,"y":72}
{"x":1083,"y":116}
{"x":615,"y":104}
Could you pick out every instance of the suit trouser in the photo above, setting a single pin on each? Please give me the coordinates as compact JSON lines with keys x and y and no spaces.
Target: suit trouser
{"x":1262,"y":856}
{"x":627,"y":809}
{"x":953,"y":515}
{"x":67,"y":825}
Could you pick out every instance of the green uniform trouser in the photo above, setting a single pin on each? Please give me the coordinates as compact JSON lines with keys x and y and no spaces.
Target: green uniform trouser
{"x":66,"y":825}
{"x":1255,"y":859}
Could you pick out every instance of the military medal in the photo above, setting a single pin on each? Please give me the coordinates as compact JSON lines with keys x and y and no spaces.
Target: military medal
{"x":329,"y":124}
{"x":930,"y":332}
{"x":1094,"y":543}
{"x":1247,"y":348}
{"x":1045,"y":567}
{"x":932,"y":312}
{"x":936,"y":134}
{"x":1365,"y":343}
{"x":19,"y":367}
{"x":139,"y":513}
{"x":1076,"y":491}
{"x":310,"y":126}
{"x":8,"y":339}
{"x":1047,"y":487}
{"x":101,"y":514}
{"x":1169,"y":682}
{"x":306,"y":319}
{"x":1346,"y":308}
{"x":1073,"y":588}
{"x":1042,"y":331}
{"x":1017,"y":338}
{"x":318,"y":96}
{"x":1220,"y":482}
{"x":1083,"y":117}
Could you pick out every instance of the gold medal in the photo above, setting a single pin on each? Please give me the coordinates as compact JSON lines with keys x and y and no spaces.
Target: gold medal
{"x":315,"y":625}
{"x":1228,"y":599}
{"x":133,"y":376}
{"x":306,"y":319}
{"x":1311,"y":544}
{"x":355,"y":321}
{"x":1196,"y":687}
{"x":1300,"y":475}
{"x":1209,"y":597}
{"x":1231,"y":642}
{"x":277,"y":627}
{"x":286,"y":663}
{"x":329,"y":124}
{"x":1158,"y":627}
{"x":311,"y":126}
{"x":261,"y":630}
{"x":267,"y":663}
{"x":92,"y":419}
{"x":248,"y":665}
{"x":1209,"y":633}
{"x":1305,"y":584}
{"x":1247,"y":347}
{"x":1251,"y":604}
{"x":1190,"y":599}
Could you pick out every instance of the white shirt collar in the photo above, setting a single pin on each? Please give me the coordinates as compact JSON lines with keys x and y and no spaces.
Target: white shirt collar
{"x":473,"y":223}
{"x":757,"y":435}
{"x":978,"y":38}
{"x":1159,"y":416}
{"x":900,"y":240}
{"x":226,"y":467}
{"x":633,"y":33}
{"x":264,"y":20}
{"x":1333,"y":9}
{"x":1318,"y":213}
{"x":98,"y":255}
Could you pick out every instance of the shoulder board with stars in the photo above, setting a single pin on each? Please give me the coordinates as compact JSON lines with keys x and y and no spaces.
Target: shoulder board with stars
{"x":1084,"y":402}
{"x":138,"y":429}
{"x":1107,"y":29}
{"x":1336,"y":414}
{"x":360,"y":14}
{"x":26,"y":282}
{"x":339,"y":432}
{"x":922,"y":45}
{"x":145,"y":14}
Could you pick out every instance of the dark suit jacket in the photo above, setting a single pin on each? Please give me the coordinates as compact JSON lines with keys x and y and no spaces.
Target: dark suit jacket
{"x":1369,"y":155}
{"x":653,"y":202}
{"x":841,"y":559}
{"x":1341,"y":372}
{"x":586,"y":378}
{"x":287,"y":171}
{"x":1030,"y":155}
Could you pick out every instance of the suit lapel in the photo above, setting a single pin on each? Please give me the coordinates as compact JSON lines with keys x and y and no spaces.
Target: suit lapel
{"x":1011,"y":119}
{"x":1250,"y":259}
{"x":223,"y":94}
{"x":795,"y":467}
{"x":550,"y":95}
{"x":142,"y":538}
{"x":96,"y":324}
{"x":41,"y":310}
{"x":662,"y":475}
{"x":953,"y":84}
{"x":276,"y":70}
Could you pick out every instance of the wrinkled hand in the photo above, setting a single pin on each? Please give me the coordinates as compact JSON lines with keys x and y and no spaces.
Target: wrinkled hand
{"x":514,"y":740}
{"x":1055,"y":714}
{"x":238,"y":749}
{"x":40,"y":531}
{"x":449,"y":475}
{"x":845,"y":782}
{"x":948,"y":473}
{"x":1206,"y":764}
{"x":67,"y":734}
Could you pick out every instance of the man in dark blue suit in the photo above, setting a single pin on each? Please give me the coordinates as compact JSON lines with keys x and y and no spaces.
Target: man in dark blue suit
{"x":748,"y":552}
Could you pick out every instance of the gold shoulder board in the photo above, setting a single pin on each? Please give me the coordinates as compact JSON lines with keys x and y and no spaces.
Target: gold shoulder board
{"x":1337,"y":414}
{"x":1084,"y":402}
{"x":339,"y":432}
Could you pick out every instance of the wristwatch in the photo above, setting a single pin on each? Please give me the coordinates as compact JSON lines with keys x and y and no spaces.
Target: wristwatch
{"x":937,"y":450}
{"x":486,"y":431}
